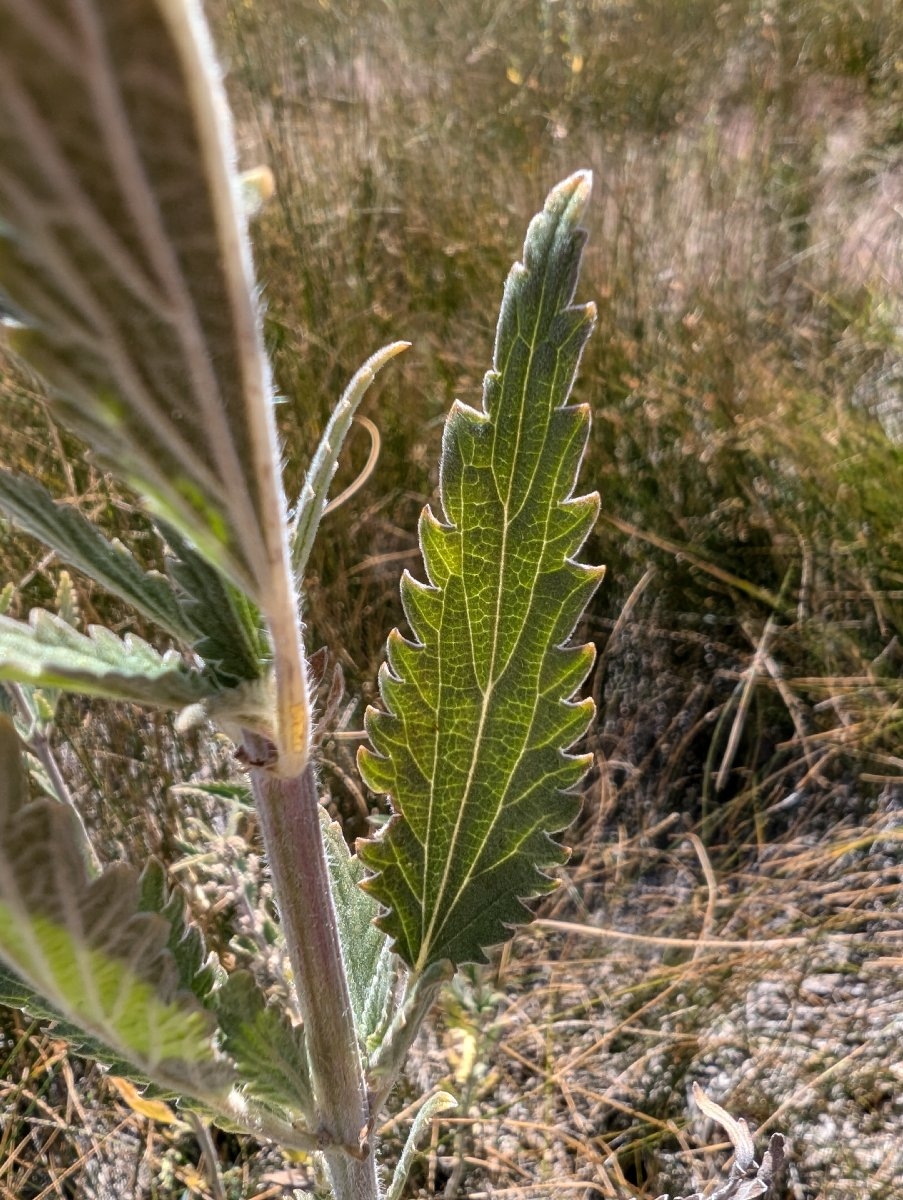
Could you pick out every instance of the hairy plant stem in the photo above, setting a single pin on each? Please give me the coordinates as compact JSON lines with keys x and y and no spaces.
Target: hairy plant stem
{"x":288,"y":810}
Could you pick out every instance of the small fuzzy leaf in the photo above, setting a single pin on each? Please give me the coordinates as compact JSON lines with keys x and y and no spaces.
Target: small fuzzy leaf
{"x":312,"y":503}
{"x":46,"y":652}
{"x":80,"y":948}
{"x":80,"y":544}
{"x":268,"y":1050}
{"x":472,"y":747}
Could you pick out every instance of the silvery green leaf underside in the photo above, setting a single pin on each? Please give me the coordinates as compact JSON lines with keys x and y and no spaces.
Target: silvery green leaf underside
{"x":47,"y":652}
{"x":124,"y":254}
{"x":89,"y":952}
{"x":125,"y":261}
{"x":373,"y":970}
{"x":472,"y":747}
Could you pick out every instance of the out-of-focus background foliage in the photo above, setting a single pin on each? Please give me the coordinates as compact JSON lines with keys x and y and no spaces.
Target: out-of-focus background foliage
{"x":742,"y":825}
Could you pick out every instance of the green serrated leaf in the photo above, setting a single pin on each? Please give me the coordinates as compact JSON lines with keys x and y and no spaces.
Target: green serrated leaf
{"x":124,"y":249}
{"x":227,"y":628}
{"x":268,"y":1050}
{"x":472,"y":747}
{"x":46,"y":652}
{"x":81,"y":544}
{"x":195,"y":971}
{"x":86,"y":952}
{"x":371,"y":966}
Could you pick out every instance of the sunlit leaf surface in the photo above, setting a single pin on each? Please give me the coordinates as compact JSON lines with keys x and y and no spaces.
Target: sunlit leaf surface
{"x":472,"y":747}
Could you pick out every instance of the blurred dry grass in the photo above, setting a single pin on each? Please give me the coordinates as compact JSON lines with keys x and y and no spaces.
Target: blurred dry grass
{"x":734,"y":910}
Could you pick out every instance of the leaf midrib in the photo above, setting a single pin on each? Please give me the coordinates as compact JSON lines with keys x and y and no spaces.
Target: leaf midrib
{"x":433,"y":929}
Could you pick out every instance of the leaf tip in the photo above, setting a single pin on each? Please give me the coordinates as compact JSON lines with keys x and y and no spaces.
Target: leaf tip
{"x":571,"y":196}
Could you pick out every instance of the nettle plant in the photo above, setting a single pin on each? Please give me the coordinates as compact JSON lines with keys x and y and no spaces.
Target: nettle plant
{"x":127,"y":286}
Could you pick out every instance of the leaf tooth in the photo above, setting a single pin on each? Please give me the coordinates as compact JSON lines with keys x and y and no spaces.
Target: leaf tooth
{"x":569,"y":531}
{"x":390,"y":685}
{"x":575,"y":519}
{"x":565,"y":444}
{"x":392,"y":752}
{"x":405,"y":661}
{"x":464,"y":420}
{"x":566,"y":721}
{"x":492,"y":380}
{"x":568,"y":334}
{"x":376,"y":771}
{"x":383,"y":729}
{"x":467,"y":445}
{"x":422,"y":606}
{"x":440,"y":545}
{"x":578,"y":581}
{"x":565,"y":669}
{"x":400,"y":655}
